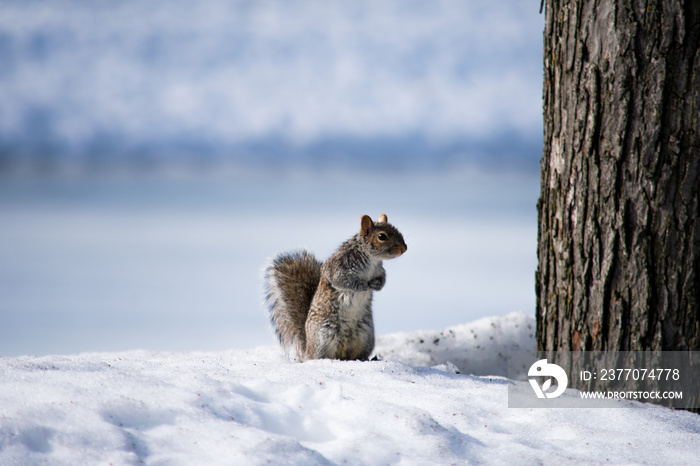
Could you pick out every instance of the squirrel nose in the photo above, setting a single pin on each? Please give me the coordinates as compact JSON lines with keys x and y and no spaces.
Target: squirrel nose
{"x":404,"y":248}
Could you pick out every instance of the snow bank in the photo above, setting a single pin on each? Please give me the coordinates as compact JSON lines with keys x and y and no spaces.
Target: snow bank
{"x":478,"y":348}
{"x":255,"y":406}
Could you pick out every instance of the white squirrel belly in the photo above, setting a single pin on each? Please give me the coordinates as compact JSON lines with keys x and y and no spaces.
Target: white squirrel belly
{"x":356,"y":303}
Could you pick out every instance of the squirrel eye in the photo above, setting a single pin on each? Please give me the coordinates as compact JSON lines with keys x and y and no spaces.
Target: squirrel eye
{"x":382,"y":236}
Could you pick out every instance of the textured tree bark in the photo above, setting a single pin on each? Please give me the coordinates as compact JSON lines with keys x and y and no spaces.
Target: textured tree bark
{"x":619,"y":212}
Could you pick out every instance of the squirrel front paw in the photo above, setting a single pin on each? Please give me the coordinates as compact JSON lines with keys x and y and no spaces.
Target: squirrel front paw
{"x":376,"y":283}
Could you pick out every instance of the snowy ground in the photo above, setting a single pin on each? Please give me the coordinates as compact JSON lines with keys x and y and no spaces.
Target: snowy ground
{"x":256,"y":407}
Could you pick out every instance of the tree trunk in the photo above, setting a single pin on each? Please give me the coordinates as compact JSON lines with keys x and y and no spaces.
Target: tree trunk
{"x":619,"y":212}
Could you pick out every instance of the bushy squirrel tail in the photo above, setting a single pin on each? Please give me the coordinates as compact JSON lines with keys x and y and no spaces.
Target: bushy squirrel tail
{"x":290,"y":284}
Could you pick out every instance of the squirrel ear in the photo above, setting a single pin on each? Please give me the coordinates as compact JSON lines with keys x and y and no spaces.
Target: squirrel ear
{"x":366,"y":225}
{"x":382,"y":219}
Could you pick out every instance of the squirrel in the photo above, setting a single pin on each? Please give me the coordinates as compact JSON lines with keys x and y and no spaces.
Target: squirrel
{"x":324,"y":310}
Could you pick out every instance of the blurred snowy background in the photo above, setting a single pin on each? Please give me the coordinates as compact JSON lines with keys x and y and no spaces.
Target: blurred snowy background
{"x":154,"y":155}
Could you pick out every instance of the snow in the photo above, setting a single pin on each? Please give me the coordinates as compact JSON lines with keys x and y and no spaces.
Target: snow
{"x":479,"y":348}
{"x":256,"y":406}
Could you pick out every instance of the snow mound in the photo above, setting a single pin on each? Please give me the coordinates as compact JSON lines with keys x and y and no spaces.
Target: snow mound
{"x":256,"y":407}
{"x":477,"y":348}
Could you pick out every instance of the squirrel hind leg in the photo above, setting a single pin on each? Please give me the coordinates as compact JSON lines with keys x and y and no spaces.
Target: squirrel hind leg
{"x":290,"y":284}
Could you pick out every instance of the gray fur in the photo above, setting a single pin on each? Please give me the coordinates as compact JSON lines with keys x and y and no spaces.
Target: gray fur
{"x":325,"y":310}
{"x":290,"y":284}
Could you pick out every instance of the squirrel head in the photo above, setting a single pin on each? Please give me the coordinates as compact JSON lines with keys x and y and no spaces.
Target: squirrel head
{"x":384,"y":240}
